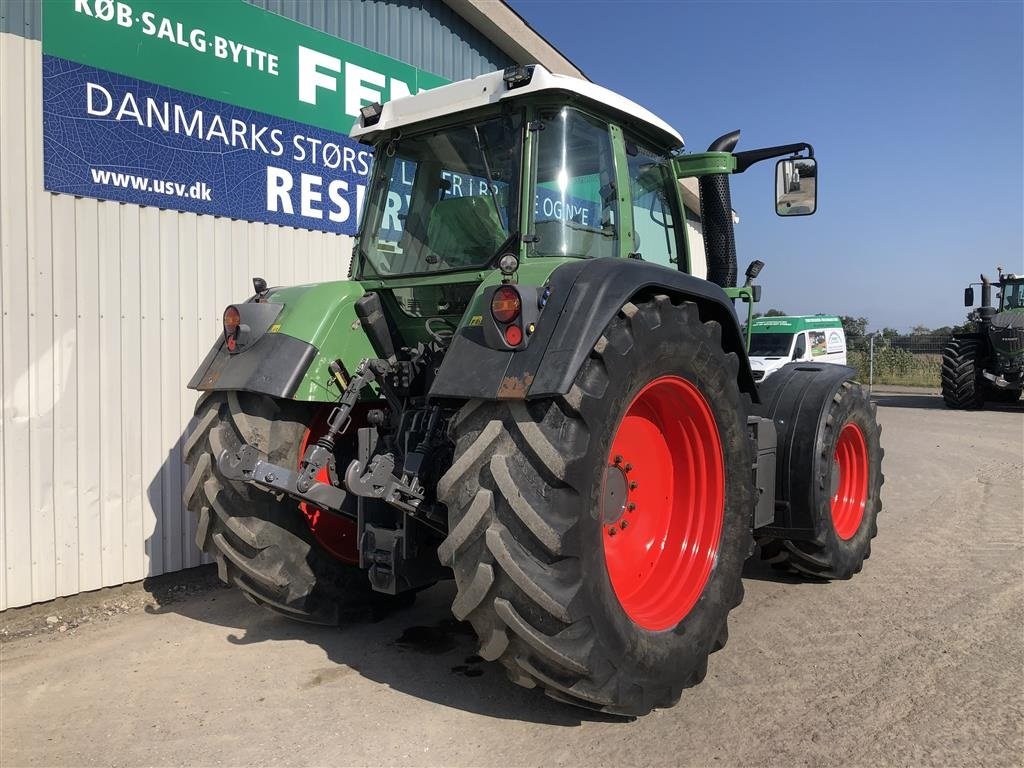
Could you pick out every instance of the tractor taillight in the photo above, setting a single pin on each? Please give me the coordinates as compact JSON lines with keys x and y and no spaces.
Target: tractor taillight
{"x":513,"y":335}
{"x":506,"y":305}
{"x":232,"y":321}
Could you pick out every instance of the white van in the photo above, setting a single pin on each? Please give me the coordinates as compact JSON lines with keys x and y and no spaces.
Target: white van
{"x":775,"y":341}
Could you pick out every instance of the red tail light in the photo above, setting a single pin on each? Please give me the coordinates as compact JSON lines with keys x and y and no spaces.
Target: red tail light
{"x":513,"y":335}
{"x":232,"y":320}
{"x":506,"y":305}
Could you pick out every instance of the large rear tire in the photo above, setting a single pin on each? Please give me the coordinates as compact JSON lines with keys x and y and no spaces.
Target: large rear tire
{"x":540,"y":518}
{"x":846,"y":496}
{"x":962,"y":388}
{"x":261,"y":542}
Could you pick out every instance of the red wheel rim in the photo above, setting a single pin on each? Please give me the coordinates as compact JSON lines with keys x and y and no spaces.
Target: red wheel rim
{"x":335,"y":534}
{"x":662,"y":503}
{"x":849,"y":481}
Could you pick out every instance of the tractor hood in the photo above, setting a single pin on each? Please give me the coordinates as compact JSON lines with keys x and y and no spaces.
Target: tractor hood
{"x":1011,"y":318}
{"x":1006,"y":333}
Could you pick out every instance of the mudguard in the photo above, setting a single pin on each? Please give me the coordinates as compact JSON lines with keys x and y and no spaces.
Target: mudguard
{"x":585,"y":295}
{"x":317,"y":325}
{"x":797,"y":398}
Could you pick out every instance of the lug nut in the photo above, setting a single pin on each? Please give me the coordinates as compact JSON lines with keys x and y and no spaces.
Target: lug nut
{"x":631,"y":507}
{"x":623,"y":524}
{"x":618,"y":459}
{"x":612,"y":531}
{"x":629,"y":467}
{"x":634,"y":485}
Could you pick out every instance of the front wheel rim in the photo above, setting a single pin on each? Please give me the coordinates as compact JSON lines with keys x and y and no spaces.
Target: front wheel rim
{"x":850,"y":480}
{"x":663,"y":501}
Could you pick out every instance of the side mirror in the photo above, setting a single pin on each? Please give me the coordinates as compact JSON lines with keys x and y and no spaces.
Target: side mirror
{"x":796,"y":186}
{"x":968,"y":297}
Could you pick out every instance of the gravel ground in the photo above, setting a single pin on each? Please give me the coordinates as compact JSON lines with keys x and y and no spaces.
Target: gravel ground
{"x":917,"y":661}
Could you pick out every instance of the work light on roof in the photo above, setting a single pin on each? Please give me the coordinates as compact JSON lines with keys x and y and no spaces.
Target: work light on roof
{"x":370,"y":114}
{"x":517,"y":75}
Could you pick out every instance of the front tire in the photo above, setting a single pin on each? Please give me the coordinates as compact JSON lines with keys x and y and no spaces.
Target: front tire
{"x":962,"y":388}
{"x":846,"y":497}
{"x":532,"y":496}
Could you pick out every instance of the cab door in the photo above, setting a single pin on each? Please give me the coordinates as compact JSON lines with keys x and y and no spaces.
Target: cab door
{"x":657,"y":224}
{"x":800,"y":347}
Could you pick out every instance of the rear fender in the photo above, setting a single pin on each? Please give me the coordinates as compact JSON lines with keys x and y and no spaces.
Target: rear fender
{"x":316,"y":326}
{"x":585,"y":296}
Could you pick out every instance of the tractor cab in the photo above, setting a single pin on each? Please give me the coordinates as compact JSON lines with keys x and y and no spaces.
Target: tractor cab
{"x":521,"y":167}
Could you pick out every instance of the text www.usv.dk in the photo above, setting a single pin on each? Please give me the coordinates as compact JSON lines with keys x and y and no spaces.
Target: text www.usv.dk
{"x":198,"y":191}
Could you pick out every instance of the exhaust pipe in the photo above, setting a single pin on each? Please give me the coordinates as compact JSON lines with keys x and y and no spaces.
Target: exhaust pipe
{"x":716,"y":218}
{"x":986,"y":292}
{"x":986,"y":310}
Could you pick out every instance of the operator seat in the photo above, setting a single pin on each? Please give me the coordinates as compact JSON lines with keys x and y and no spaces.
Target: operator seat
{"x":465,"y":230}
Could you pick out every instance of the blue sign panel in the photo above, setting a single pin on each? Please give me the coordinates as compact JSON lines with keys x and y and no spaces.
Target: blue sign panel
{"x":114,"y":137}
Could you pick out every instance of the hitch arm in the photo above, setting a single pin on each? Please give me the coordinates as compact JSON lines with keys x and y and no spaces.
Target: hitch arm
{"x":248,"y":465}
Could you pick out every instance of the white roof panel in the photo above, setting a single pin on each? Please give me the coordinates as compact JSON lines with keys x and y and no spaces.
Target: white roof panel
{"x":490,"y":89}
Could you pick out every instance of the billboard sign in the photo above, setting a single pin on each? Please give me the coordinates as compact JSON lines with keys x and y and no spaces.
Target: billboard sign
{"x":218,"y":108}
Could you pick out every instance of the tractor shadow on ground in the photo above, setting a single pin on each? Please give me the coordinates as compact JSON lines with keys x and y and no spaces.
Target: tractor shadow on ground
{"x":420,"y":650}
{"x":934,"y":402}
{"x":896,"y":400}
{"x":757,"y":569}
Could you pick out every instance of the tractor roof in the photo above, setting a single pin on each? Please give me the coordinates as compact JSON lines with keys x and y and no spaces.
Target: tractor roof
{"x":491,"y":88}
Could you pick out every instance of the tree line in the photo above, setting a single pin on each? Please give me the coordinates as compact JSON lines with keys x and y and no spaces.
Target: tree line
{"x":858,"y":326}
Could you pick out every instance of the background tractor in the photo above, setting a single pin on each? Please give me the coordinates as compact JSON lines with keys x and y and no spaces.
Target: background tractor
{"x":988,"y":365}
{"x":527,"y":387}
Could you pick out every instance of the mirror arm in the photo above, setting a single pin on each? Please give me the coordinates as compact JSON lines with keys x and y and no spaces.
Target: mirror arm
{"x":747,"y":158}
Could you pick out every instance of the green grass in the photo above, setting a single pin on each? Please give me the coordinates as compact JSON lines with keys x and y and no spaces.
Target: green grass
{"x":897,"y":366}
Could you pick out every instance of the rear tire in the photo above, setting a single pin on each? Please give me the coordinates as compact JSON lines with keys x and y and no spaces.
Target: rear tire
{"x":526,"y":496}
{"x":962,"y":388}
{"x":847,"y":494}
{"x":261,"y":542}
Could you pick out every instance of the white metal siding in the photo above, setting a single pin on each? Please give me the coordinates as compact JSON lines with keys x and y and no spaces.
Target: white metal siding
{"x":107,"y":309}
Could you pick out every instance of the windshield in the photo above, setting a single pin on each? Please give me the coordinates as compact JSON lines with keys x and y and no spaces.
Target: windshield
{"x":445,"y":200}
{"x":770,"y":344}
{"x":1013,"y":296}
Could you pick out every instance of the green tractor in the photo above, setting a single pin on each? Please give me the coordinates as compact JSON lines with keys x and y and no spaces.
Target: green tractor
{"x":988,"y":365}
{"x":535,"y":383}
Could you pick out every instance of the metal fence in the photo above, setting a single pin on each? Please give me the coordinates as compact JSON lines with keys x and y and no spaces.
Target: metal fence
{"x":913,"y":360}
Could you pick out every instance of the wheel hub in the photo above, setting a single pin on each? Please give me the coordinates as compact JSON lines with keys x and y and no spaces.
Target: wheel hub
{"x":616,"y":494}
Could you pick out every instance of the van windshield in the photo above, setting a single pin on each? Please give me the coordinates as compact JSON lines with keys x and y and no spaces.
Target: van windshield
{"x":770,"y":344}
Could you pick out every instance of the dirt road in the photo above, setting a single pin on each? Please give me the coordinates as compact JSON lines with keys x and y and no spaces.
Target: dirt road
{"x":918,"y":660}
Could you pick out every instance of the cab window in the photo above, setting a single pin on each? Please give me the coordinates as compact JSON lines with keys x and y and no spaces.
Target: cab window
{"x":653,"y":195}
{"x":576,"y":202}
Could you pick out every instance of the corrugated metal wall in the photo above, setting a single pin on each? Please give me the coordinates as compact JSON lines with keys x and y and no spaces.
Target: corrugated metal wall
{"x":107,"y":310}
{"x":424,"y":33}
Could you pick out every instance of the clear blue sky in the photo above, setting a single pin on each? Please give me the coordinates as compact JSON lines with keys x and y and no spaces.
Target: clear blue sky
{"x":914,"y":110}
